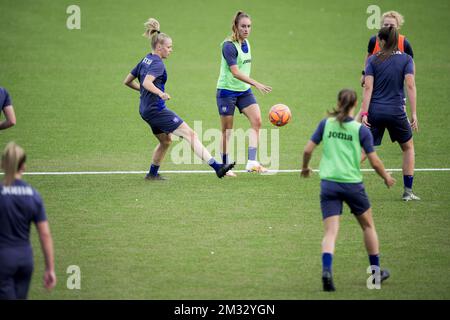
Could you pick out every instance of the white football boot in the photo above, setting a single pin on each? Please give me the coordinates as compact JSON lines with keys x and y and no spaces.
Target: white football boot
{"x":408,"y":195}
{"x":255,"y":166}
{"x":230,"y":174}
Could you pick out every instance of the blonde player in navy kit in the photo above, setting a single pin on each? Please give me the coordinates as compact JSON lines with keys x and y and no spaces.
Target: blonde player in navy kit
{"x":152,"y":76}
{"x":21,"y":205}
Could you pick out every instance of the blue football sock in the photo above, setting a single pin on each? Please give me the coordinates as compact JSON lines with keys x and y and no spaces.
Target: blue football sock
{"x":252,"y":153}
{"x":374,"y":260}
{"x":224,"y":158}
{"x":153,"y":170}
{"x":408,"y":181}
{"x":327,"y":261}
{"x":213,"y":163}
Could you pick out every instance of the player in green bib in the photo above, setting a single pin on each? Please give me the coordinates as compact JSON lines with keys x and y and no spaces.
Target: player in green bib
{"x":341,"y":181}
{"x":233,"y":90}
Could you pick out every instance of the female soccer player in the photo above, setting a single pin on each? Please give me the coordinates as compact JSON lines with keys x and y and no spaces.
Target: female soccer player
{"x":152,"y":77}
{"x":382,"y":105}
{"x":8,"y":110}
{"x":389,"y":19}
{"x":20,"y":206}
{"x":233,"y":89}
{"x":341,"y":180}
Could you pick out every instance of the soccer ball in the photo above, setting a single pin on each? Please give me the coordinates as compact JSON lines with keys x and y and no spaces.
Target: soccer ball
{"x":280,"y":115}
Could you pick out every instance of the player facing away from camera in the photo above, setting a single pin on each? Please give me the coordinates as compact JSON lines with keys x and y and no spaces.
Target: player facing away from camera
{"x":21,"y":205}
{"x":7,"y":109}
{"x":233,"y":89}
{"x":341,"y":180}
{"x":152,"y":76}
{"x":388,"y":19}
{"x":383,"y":103}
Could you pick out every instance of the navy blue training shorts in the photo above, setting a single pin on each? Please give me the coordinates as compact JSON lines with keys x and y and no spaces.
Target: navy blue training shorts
{"x":227,"y":105}
{"x":163,"y":121}
{"x":16,"y":268}
{"x":333,"y":194}
{"x":398,"y":126}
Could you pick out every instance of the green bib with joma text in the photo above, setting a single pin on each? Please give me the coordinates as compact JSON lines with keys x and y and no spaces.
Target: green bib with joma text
{"x":244,"y":63}
{"x":341,"y":152}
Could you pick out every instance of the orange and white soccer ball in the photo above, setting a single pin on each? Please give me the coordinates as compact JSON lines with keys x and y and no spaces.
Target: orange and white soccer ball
{"x":280,"y":115}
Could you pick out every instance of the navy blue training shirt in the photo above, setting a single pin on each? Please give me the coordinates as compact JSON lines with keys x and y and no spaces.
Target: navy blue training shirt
{"x":154,"y":66}
{"x":389,"y":77}
{"x":365,"y":136}
{"x":5,"y":99}
{"x":20,"y":204}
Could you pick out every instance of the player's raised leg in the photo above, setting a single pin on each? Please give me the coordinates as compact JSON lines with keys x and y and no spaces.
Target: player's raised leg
{"x":187,"y":133}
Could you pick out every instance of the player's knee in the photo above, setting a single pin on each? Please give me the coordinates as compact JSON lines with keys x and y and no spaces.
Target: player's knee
{"x":227,"y":126}
{"x":166,"y":142}
{"x":333,"y":230}
{"x":192,"y":135}
{"x":408,"y":146}
{"x":226,"y":133}
{"x":256,"y":123}
{"x":330,"y":235}
{"x":367,"y":226}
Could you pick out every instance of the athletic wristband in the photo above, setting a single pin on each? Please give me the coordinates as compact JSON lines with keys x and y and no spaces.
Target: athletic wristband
{"x":364,"y":114}
{"x":363,"y":73}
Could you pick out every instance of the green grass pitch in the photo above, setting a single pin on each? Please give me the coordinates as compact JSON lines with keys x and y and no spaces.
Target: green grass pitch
{"x":195,"y":236}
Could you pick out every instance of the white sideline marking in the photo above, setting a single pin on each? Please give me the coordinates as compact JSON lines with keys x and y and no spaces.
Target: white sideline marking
{"x":55,"y":173}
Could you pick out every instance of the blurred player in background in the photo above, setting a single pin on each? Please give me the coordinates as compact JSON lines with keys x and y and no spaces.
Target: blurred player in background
{"x":233,"y":89}
{"x":383,"y":103}
{"x":341,"y":180}
{"x":7,"y":109}
{"x":152,"y":76}
{"x":20,"y":205}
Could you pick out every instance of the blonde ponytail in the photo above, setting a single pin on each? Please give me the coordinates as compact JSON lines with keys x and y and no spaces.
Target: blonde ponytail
{"x":151,"y":26}
{"x":152,"y":32}
{"x":13,"y":158}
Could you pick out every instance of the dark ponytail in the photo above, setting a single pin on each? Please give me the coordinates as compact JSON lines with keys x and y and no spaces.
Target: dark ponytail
{"x":346,"y":100}
{"x":390,"y":37}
